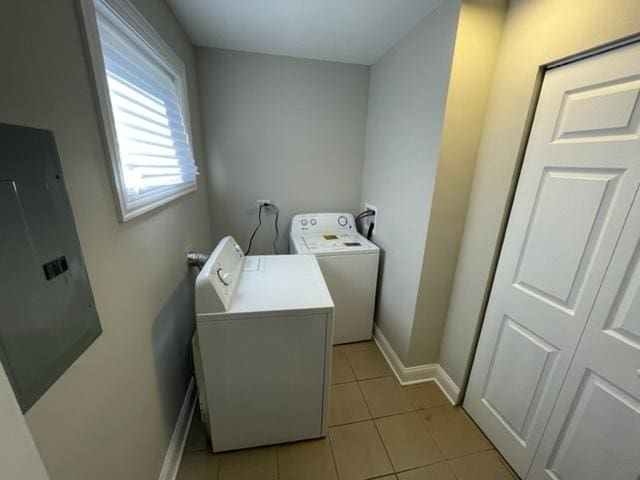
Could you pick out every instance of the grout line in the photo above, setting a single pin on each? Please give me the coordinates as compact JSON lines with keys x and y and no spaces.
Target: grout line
{"x":372,"y":417}
{"x":376,"y":349}
{"x":375,"y":425}
{"x":333,"y":455}
{"x":380,"y":417}
{"x":388,"y":375}
{"x":377,"y":431}
{"x":424,"y":466}
{"x":342,"y":383}
{"x":351,"y":423}
{"x":365,"y":400}
{"x":453,"y":473}
{"x":354,"y":347}
{"x":351,"y":367}
{"x":354,"y":421}
{"x":500,"y":459}
{"x":448,"y":459}
{"x":360,"y":420}
{"x":364,"y":397}
{"x":470,"y":453}
{"x":406,"y":397}
{"x":373,"y":378}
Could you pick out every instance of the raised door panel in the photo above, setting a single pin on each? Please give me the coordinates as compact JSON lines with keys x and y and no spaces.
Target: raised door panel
{"x":570,"y":205}
{"x":600,"y":437}
{"x":521,"y":364}
{"x":600,"y":112}
{"x":623,"y":321}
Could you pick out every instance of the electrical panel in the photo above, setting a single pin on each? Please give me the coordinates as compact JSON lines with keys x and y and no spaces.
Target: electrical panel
{"x":48,"y":314}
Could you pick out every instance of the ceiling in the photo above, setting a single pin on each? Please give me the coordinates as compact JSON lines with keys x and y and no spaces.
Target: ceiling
{"x":352,"y":31}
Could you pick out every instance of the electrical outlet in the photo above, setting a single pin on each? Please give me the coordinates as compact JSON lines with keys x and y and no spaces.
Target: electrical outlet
{"x":369,"y":206}
{"x":264,"y":203}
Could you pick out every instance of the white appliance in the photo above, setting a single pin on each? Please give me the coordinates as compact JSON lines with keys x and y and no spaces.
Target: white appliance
{"x":349,"y":263}
{"x":262,"y":349}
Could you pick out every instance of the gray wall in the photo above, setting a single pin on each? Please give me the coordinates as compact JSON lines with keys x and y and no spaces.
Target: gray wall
{"x":534,"y":33}
{"x":111,"y":415}
{"x":474,"y":59}
{"x":407,"y":95}
{"x":19,"y":457}
{"x":283,"y":129}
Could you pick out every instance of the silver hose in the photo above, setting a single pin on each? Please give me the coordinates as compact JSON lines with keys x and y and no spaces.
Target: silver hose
{"x":197,"y":259}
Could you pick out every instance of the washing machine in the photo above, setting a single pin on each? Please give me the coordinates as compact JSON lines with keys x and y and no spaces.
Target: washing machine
{"x":262,"y":349}
{"x":349,"y":263}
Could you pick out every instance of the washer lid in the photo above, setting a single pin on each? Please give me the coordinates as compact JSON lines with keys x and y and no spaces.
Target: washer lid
{"x":333,"y":243}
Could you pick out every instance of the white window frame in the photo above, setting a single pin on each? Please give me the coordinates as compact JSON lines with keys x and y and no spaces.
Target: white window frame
{"x":157,"y":49}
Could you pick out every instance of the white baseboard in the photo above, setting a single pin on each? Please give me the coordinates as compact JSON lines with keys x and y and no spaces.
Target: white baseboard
{"x":447,"y":385}
{"x":179,"y":438}
{"x":432,"y":372}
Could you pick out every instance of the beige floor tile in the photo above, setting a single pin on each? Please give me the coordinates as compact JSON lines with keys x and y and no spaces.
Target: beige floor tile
{"x":310,"y":460}
{"x":354,"y":347}
{"x":341,"y":371}
{"x":480,"y":466}
{"x":253,"y":464}
{"x":426,"y":395}
{"x":386,"y":477}
{"x":358,"y":451}
{"x":201,"y":465}
{"x":438,"y":471}
{"x":407,"y":441}
{"x":197,"y":438}
{"x":346,"y":404}
{"x":454,"y":432}
{"x":368,"y":364}
{"x":385,"y":396}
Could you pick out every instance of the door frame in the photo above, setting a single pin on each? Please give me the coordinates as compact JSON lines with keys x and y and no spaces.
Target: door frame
{"x":515,"y":179}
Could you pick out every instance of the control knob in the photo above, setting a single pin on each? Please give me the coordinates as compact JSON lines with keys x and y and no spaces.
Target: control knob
{"x":223,"y":277}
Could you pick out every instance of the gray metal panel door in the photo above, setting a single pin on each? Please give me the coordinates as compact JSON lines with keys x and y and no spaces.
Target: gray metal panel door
{"x":48,"y":316}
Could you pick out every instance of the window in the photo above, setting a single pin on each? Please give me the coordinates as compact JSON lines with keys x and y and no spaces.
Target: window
{"x":141,"y":92}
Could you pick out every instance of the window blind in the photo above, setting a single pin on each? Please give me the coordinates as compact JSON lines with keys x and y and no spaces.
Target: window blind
{"x":154,"y":153}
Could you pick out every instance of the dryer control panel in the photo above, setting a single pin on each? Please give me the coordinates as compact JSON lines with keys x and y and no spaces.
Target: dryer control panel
{"x":218,"y":278}
{"x":323,"y":222}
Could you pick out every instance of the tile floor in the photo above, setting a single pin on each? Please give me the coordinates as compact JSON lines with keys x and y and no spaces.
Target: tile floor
{"x":378,"y":429}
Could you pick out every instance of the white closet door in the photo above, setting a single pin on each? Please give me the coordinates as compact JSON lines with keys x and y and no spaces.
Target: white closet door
{"x":594,"y":429}
{"x":579,"y":179}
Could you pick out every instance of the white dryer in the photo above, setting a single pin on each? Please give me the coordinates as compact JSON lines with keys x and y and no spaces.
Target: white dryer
{"x":349,"y":263}
{"x":262,"y":349}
